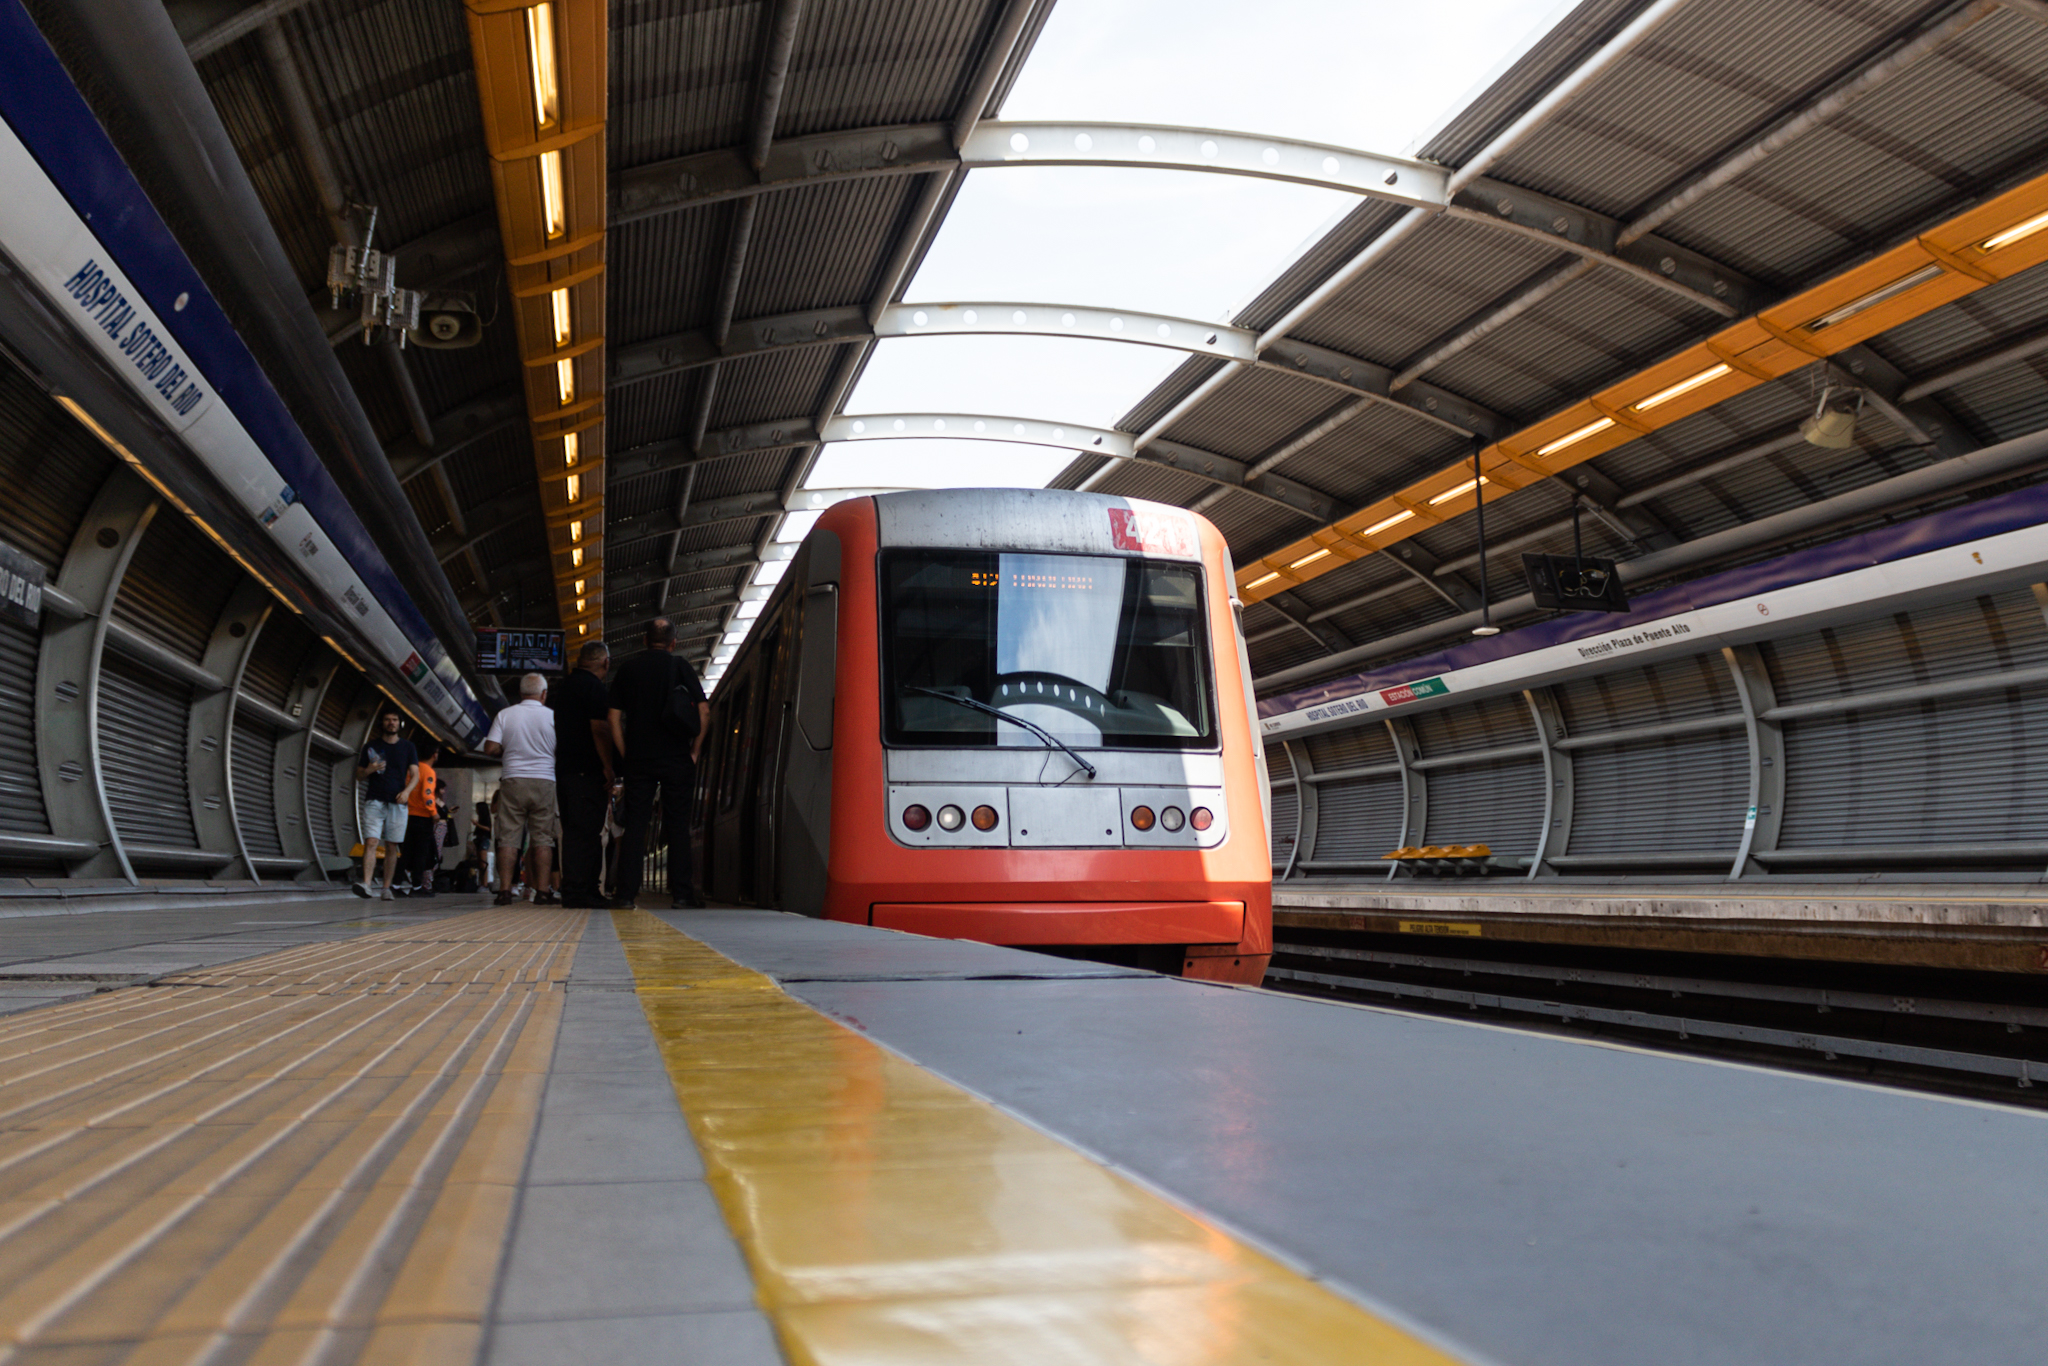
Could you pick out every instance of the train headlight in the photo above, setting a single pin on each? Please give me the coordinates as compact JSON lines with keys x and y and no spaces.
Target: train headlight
{"x":984,"y":818}
{"x":916,"y":817}
{"x":1141,"y":817}
{"x":1172,"y":818}
{"x":951,"y":818}
{"x":1201,"y":819}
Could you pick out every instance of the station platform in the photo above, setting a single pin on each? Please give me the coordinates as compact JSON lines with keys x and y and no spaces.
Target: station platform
{"x":521,"y":1135}
{"x":1990,"y":927}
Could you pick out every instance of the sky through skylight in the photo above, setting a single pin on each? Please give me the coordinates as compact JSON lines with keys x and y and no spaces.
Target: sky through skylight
{"x":1369,"y":74}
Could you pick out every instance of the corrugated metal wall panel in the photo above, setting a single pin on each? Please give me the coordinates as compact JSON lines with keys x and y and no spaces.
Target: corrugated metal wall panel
{"x":1490,"y":724}
{"x":250,"y":770}
{"x":274,"y":663}
{"x":1928,"y":645}
{"x":176,"y":585}
{"x":335,"y":704}
{"x":1498,"y":804}
{"x":1681,"y":794}
{"x":1355,"y":748}
{"x":21,"y":785}
{"x":320,"y":803}
{"x":1285,"y":806}
{"x":50,"y":466}
{"x":142,"y":751}
{"x":1959,"y":771}
{"x":1357,"y":819}
{"x":1676,"y":691}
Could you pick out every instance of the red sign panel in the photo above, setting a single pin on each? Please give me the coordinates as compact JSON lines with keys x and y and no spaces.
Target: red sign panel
{"x":1152,"y":533}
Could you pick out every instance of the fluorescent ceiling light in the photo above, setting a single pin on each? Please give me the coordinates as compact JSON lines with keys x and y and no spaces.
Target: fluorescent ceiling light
{"x":580,"y":604}
{"x":576,"y":557}
{"x":554,"y":215}
{"x":1265,"y":580}
{"x":1874,"y":298}
{"x":579,"y":585}
{"x":1377,"y":527}
{"x":1463,"y":488}
{"x":576,"y":533}
{"x":1684,"y":386}
{"x":572,"y":446}
{"x":565,"y":380}
{"x":1309,"y":558}
{"x":575,"y":485}
{"x":560,"y":300}
{"x":540,"y":52}
{"x":1574,"y":438}
{"x":2014,"y":233}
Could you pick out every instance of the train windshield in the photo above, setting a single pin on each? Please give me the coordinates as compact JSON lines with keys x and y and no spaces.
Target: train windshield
{"x":1095,"y":650}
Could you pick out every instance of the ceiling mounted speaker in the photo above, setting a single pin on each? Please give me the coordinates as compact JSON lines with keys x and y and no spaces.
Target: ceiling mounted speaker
{"x":447,"y":322}
{"x":1833,"y":428}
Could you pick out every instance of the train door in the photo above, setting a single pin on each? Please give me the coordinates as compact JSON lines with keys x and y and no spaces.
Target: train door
{"x":780,"y":647}
{"x":756,"y":745}
{"x":723,"y":815}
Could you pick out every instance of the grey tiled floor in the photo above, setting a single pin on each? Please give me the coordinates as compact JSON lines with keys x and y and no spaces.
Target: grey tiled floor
{"x":619,"y":1252}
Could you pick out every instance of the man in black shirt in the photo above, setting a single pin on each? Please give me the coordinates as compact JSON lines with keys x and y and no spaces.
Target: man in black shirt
{"x":584,"y":773}
{"x":658,"y":757}
{"x":388,"y":768}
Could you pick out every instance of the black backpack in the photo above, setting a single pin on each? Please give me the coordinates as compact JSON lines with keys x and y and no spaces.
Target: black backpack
{"x":679,"y":712}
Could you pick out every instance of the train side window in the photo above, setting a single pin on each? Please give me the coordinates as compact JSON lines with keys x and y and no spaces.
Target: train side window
{"x":816,"y":667}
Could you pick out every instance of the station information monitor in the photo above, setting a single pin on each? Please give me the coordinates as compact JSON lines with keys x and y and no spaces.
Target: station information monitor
{"x":520,"y":652}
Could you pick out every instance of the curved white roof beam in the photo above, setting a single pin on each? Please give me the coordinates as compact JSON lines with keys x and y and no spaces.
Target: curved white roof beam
{"x":1168,"y":148}
{"x":1068,"y":320}
{"x":1027,"y":431}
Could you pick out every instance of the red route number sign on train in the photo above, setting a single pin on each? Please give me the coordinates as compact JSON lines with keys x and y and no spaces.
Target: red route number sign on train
{"x":1150,"y":533}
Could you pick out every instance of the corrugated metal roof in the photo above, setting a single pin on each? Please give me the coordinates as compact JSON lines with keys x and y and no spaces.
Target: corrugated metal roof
{"x":682,"y":77}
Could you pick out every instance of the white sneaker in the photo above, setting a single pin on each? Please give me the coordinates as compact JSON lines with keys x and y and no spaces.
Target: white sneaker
{"x":360,"y":888}
{"x":387,"y":895}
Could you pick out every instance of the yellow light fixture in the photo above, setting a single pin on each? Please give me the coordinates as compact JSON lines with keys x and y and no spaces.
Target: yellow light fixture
{"x":565,"y":380}
{"x":1684,"y":386}
{"x":1310,"y":558}
{"x":1267,"y":579}
{"x":579,"y":604}
{"x":572,"y":446}
{"x":579,"y":587}
{"x":575,"y":483}
{"x":1377,"y":527}
{"x":1465,"y":487}
{"x":1574,"y":438}
{"x":559,"y":300}
{"x":582,"y":629}
{"x":576,"y":533}
{"x":554,"y":214}
{"x":540,"y":52}
{"x":2014,"y":233}
{"x":576,"y":557}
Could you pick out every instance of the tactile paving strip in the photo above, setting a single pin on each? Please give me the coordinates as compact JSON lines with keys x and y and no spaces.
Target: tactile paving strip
{"x":305,"y":1158}
{"x":891,"y":1217}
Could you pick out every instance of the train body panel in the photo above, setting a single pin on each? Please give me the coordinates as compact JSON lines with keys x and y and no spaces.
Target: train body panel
{"x":865,"y":695}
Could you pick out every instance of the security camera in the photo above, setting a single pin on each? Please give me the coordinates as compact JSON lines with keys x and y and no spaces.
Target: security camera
{"x":447,"y":321}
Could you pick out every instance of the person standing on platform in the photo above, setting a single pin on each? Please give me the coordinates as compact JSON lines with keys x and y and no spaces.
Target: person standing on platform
{"x":422,"y":850}
{"x":525,"y":736}
{"x":658,"y":717}
{"x":584,"y":773}
{"x":387,"y":768}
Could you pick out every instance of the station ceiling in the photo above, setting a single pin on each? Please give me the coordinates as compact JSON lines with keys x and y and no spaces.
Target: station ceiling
{"x":1635,"y":183}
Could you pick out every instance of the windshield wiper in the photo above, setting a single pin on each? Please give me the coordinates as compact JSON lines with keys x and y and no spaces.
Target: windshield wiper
{"x":1052,"y":741}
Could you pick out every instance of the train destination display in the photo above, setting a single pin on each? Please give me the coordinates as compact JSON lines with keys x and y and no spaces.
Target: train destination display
{"x":520,"y":652}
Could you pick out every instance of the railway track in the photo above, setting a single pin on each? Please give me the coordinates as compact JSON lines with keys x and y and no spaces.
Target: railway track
{"x":1983,"y":1035}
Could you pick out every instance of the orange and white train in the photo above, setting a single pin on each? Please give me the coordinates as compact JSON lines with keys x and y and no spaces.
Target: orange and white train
{"x":1019,"y":716}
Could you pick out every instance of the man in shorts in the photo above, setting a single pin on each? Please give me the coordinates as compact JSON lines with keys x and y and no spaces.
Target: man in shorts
{"x":389,"y":769}
{"x":525,"y":737}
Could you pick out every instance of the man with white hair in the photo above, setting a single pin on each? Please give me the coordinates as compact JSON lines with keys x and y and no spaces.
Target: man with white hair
{"x":525,"y":736}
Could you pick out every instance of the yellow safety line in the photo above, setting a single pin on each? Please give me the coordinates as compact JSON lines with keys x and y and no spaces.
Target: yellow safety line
{"x":891,"y":1217}
{"x":312,"y":1155}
